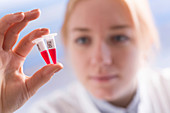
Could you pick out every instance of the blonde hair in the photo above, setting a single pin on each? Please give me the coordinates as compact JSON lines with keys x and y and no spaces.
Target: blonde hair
{"x":142,"y":18}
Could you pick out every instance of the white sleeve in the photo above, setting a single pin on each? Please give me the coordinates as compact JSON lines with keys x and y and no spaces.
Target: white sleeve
{"x":58,"y":102}
{"x":43,"y":107}
{"x":166,"y":73}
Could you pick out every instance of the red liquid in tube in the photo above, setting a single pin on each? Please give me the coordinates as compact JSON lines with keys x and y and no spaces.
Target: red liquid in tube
{"x":51,"y":46}
{"x":53,"y":55}
{"x":45,"y":56}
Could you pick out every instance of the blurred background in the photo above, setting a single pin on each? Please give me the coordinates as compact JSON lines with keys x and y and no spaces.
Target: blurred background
{"x":52,"y":14}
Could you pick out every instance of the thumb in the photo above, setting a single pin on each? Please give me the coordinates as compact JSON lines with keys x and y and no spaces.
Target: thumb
{"x":41,"y":77}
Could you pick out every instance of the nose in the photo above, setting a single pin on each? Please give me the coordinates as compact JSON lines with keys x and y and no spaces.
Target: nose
{"x":101,"y":55}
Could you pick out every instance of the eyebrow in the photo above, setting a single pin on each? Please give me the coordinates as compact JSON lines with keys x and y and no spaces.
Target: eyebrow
{"x":119,"y":27}
{"x":111,"y":28}
{"x":81,"y":29}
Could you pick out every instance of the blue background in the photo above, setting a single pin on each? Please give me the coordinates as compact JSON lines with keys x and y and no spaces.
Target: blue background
{"x":52,"y":13}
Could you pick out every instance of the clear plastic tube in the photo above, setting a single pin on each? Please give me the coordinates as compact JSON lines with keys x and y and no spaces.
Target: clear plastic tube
{"x":50,"y":40}
{"x":42,"y":49}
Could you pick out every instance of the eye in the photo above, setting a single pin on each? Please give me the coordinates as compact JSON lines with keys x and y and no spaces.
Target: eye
{"x":119,"y":38}
{"x":83,"y":40}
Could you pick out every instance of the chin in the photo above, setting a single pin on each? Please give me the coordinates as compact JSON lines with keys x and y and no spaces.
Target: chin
{"x":104,"y":94}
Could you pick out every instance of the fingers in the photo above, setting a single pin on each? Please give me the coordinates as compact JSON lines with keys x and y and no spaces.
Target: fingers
{"x":7,"y":21}
{"x":41,"y":77}
{"x":12,"y":34}
{"x":25,"y":45}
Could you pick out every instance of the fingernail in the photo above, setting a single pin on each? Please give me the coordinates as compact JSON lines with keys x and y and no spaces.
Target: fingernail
{"x":57,"y":70}
{"x":44,"y":29}
{"x":35,"y":10}
{"x":19,"y":15}
{"x":61,"y":65}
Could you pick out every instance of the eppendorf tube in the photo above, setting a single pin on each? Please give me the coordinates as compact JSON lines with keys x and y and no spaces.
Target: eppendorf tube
{"x":43,"y":49}
{"x":51,"y":46}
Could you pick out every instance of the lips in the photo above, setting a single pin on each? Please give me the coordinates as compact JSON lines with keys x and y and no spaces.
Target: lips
{"x":103,"y":78}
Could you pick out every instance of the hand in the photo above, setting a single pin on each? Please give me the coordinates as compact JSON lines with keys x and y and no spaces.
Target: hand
{"x":15,"y":87}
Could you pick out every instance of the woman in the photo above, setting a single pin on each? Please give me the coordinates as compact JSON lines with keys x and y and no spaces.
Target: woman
{"x":108,"y":43}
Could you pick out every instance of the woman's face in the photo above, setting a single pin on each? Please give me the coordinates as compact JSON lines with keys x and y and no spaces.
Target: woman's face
{"x":103,"y":49}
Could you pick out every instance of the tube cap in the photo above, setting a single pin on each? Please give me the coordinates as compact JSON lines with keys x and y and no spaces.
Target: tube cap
{"x":49,"y":36}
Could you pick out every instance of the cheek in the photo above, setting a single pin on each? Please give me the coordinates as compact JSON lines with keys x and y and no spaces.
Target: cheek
{"x":128,"y":62}
{"x":78,"y":60}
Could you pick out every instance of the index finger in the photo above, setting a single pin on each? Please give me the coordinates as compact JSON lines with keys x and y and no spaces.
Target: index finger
{"x":12,"y":34}
{"x":25,"y":45}
{"x":7,"y":21}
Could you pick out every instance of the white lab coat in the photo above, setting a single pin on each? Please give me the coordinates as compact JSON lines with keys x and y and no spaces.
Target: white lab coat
{"x":154,"y":90}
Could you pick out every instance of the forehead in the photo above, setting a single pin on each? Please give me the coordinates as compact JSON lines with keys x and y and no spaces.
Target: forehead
{"x":99,"y":13}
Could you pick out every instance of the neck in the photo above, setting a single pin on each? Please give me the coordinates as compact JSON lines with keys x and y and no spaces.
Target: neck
{"x":125,"y":100}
